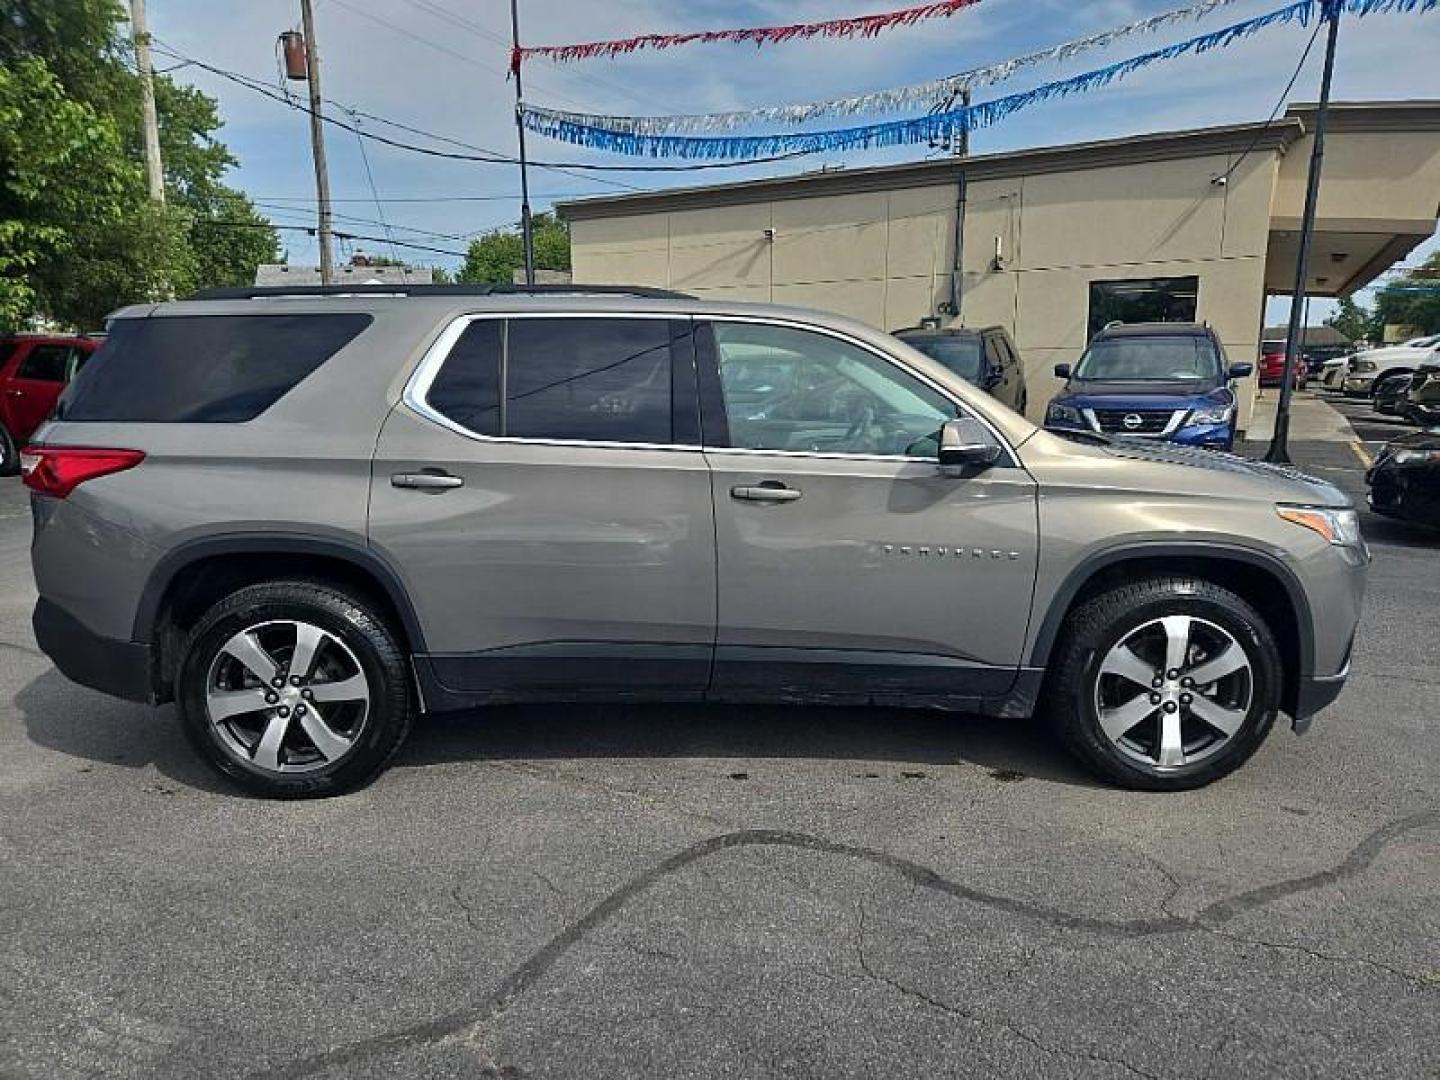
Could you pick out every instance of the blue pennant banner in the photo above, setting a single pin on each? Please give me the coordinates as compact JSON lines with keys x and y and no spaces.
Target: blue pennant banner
{"x":934,"y":127}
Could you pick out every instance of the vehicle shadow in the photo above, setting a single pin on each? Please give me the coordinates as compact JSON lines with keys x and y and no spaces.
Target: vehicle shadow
{"x":61,"y":716}
{"x":1011,"y":748}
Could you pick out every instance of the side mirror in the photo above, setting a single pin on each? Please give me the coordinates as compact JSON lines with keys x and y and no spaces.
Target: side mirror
{"x":965,"y":443}
{"x":1062,"y":371}
{"x":1240,"y":371}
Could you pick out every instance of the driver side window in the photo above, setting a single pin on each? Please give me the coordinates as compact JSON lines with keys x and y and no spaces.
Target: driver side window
{"x":797,"y":390}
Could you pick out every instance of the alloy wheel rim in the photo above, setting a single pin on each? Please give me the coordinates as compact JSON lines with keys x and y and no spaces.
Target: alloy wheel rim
{"x":1173,"y":692}
{"x":286,"y":696}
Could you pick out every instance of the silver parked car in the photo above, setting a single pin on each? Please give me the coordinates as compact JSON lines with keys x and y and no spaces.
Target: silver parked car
{"x":305,"y":515}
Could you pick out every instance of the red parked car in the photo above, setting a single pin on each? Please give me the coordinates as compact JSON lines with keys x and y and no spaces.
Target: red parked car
{"x":34,"y":369}
{"x":1272,"y":366}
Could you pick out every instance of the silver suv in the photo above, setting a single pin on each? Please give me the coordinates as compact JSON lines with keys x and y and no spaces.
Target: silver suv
{"x":308,"y":515}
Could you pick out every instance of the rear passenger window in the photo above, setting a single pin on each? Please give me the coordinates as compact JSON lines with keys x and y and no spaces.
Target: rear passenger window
{"x":203,"y":368}
{"x":596,"y":380}
{"x":467,"y":389}
{"x":46,"y":363}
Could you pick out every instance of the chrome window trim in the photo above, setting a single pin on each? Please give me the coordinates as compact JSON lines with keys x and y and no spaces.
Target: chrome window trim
{"x":880,"y":354}
{"x":415,"y":395}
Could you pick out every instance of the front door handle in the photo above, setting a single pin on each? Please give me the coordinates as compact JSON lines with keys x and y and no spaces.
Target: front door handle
{"x":427,"y":481}
{"x":770,"y":491}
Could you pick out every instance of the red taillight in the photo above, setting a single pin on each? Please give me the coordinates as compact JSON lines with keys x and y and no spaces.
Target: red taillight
{"x":59,"y":470}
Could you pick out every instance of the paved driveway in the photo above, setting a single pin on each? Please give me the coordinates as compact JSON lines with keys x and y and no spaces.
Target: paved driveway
{"x":618,"y":892}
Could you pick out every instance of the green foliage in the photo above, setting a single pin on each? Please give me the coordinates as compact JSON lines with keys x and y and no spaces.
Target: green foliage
{"x":1419,"y":310}
{"x":78,"y":234}
{"x":63,"y":180}
{"x":496,"y":256}
{"x":1354,"y":321}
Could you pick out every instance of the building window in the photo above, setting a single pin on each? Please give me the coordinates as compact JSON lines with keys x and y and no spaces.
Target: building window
{"x":1142,"y":300}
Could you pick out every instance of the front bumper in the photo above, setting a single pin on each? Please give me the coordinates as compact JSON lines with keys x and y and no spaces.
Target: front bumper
{"x":120,"y":668}
{"x":1210,"y":436}
{"x":1315,"y":694}
{"x":1358,"y":384}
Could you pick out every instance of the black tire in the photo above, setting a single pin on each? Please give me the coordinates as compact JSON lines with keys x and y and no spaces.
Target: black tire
{"x":1102,"y":622}
{"x":9,"y":454}
{"x":371,"y":643}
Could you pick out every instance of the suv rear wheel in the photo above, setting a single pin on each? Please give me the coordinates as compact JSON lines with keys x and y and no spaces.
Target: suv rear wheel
{"x":294,"y":689}
{"x":1165,"y":684}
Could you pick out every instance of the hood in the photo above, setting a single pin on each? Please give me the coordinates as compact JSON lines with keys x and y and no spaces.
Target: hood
{"x":1179,"y":394}
{"x":1121,"y":463}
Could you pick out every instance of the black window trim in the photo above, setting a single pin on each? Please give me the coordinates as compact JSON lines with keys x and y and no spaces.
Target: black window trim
{"x":709,"y":358}
{"x":416,"y":395}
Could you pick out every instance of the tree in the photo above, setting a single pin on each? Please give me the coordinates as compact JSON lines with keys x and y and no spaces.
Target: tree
{"x":1354,"y":321}
{"x":63,"y":181}
{"x":78,"y":234}
{"x":496,"y":256}
{"x":1412,"y":300}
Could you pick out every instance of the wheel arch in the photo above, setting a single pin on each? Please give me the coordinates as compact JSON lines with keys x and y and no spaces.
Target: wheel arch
{"x":1262,"y":580}
{"x":189,"y":579}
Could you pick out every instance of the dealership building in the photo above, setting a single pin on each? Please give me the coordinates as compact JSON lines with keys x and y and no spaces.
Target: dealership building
{"x":1050,"y":243}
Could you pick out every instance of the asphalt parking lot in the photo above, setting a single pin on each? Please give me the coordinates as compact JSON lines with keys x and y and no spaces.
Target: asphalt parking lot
{"x":618,"y":892}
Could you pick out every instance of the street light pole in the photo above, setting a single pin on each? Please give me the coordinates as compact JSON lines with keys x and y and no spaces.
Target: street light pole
{"x":1279,"y":452}
{"x":526,"y":228}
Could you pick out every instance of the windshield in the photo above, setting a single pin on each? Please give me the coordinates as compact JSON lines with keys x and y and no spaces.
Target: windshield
{"x":960,"y":354}
{"x":1145,"y":359}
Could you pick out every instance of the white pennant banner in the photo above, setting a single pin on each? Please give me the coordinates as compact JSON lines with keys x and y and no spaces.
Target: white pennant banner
{"x":898,"y":99}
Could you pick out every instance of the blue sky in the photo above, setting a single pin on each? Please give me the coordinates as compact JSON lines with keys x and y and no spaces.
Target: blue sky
{"x":440,"y":65}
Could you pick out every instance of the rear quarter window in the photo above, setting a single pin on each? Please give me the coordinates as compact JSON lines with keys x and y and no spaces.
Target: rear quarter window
{"x":203,"y":368}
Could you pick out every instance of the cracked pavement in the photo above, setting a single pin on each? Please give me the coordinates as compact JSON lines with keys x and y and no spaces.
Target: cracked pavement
{"x":606,"y":891}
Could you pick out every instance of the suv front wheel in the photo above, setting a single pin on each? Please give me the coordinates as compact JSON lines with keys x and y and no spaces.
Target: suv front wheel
{"x":1165,"y":684}
{"x":294,"y":689}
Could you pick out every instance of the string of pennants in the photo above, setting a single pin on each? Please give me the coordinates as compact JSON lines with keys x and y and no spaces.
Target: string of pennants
{"x":858,"y":26}
{"x":664,"y":136}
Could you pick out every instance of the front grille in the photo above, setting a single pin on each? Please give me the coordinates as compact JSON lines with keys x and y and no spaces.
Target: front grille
{"x":1150,"y":421}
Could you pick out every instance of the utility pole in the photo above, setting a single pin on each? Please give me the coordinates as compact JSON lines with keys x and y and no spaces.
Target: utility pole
{"x":317,"y":142}
{"x":962,"y":139}
{"x":140,"y":34}
{"x":1279,"y":452}
{"x":526,"y":228}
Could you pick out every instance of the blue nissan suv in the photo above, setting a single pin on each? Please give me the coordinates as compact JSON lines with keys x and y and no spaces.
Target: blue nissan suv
{"x":1152,"y":380}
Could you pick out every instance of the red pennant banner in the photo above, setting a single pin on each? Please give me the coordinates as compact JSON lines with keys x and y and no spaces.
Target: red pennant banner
{"x":859,"y":26}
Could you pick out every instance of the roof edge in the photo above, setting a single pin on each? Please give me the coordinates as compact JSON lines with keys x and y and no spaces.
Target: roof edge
{"x":1132,"y":149}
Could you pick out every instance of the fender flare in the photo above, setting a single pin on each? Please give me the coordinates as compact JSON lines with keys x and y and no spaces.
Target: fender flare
{"x":1098,"y":561}
{"x":359,"y":556}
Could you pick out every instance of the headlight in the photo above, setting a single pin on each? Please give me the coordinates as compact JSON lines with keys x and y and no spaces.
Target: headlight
{"x":1064,"y":414}
{"x":1362,"y":365}
{"x":1339,"y":527}
{"x":1415,"y":457}
{"x":1218,"y":414}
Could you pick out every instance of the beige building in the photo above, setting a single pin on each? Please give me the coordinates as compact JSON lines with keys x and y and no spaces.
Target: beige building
{"x":1052,"y":242}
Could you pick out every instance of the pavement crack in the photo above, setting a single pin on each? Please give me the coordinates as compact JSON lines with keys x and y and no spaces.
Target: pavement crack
{"x":940,"y":1005}
{"x":543,"y":960}
{"x":1316,"y":954}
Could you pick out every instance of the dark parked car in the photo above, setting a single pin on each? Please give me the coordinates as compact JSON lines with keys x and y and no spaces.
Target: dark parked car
{"x":1405,"y":479}
{"x":1152,"y":380}
{"x":34,"y":369}
{"x":986,"y":358}
{"x":1422,"y":399}
{"x":1391,"y":393}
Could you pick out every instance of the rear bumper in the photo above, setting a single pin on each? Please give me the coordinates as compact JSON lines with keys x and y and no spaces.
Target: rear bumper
{"x":120,"y":668}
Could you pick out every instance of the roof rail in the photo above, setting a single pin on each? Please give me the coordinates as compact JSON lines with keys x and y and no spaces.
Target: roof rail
{"x":260,"y":292}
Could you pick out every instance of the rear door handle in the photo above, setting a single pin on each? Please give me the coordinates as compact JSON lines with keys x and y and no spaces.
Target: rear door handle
{"x":426,"y":481}
{"x":771,"y":491}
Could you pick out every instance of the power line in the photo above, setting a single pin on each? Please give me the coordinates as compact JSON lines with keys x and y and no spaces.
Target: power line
{"x":1279,"y":104}
{"x":487,"y":157}
{"x":311,"y":230}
